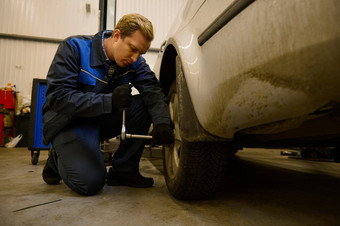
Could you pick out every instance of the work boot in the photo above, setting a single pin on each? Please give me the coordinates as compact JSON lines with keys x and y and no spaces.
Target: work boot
{"x":48,"y":174}
{"x":128,"y":179}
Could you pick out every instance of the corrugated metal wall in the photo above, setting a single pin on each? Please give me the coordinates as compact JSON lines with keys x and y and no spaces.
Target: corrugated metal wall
{"x":160,"y":12}
{"x":22,"y":60}
{"x":49,"y":18}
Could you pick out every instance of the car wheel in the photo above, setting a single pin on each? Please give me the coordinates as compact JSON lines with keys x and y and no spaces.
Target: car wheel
{"x":192,"y":170}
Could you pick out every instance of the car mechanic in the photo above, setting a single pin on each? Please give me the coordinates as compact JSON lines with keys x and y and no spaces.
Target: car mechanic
{"x":87,"y":88}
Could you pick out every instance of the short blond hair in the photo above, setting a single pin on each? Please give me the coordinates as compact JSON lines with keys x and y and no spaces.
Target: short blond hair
{"x":130,"y":23}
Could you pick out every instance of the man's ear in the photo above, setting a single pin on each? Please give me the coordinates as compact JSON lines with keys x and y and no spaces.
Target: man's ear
{"x":116,"y":34}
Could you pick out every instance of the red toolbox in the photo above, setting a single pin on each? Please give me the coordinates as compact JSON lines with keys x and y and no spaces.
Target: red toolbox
{"x":7,"y":110}
{"x":7,"y":98}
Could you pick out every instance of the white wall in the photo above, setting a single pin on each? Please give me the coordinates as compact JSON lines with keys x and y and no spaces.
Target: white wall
{"x":23,"y":60}
{"x":49,"y":18}
{"x":161,"y":13}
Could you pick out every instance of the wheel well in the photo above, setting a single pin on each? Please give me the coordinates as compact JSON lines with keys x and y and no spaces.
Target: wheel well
{"x":168,"y":68}
{"x":191,"y":131}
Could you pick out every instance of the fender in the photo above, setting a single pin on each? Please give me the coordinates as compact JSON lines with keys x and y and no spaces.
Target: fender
{"x":190,"y":128}
{"x":171,"y":70}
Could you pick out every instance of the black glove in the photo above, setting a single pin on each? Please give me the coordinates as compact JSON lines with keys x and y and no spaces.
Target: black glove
{"x":121,"y":97}
{"x":162,"y":134}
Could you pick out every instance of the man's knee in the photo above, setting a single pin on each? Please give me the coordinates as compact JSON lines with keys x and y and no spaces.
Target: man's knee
{"x":87,"y":184}
{"x":93,"y":187}
{"x":80,"y":161}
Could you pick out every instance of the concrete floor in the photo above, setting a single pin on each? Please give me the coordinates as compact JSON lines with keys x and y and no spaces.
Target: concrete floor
{"x":261,"y":188}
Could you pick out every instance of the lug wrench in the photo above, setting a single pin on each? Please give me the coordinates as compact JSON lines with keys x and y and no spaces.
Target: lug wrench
{"x":125,"y":135}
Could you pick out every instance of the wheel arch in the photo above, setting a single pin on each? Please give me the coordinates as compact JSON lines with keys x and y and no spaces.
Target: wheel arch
{"x":167,"y":74}
{"x":171,"y":71}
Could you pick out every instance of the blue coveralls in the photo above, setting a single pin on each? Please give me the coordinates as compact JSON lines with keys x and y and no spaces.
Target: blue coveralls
{"x":78,"y":112}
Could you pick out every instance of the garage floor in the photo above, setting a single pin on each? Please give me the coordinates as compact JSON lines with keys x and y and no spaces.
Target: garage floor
{"x":263,"y":188}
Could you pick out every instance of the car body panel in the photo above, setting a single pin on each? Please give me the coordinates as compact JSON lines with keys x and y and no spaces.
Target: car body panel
{"x":276,"y":61}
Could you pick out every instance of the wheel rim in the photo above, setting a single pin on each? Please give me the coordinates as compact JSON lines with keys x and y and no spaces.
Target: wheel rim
{"x":172,"y":152}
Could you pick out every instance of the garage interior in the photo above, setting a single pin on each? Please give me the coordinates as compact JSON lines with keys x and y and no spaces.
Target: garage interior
{"x":261,"y":186}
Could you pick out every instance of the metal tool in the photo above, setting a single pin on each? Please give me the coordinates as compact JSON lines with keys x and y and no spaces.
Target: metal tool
{"x":125,"y":135}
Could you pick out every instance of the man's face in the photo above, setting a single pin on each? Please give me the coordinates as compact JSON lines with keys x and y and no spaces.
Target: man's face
{"x":125,"y":51}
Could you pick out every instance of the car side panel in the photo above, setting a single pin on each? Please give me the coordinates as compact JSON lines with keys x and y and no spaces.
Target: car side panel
{"x":276,"y":60}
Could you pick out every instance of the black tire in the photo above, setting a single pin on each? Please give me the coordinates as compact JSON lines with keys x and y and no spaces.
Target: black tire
{"x":192,"y":170}
{"x":199,"y":173}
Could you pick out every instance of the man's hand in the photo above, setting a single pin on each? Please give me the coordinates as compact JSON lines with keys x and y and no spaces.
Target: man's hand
{"x":121,"y":97}
{"x":162,"y":134}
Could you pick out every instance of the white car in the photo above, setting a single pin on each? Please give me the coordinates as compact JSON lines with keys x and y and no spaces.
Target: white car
{"x":245,"y":73}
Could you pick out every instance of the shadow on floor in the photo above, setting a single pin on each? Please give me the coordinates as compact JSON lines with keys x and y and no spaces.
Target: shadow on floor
{"x":290,"y":195}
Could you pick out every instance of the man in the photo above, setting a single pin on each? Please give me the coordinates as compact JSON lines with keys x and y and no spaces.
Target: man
{"x":88,"y":86}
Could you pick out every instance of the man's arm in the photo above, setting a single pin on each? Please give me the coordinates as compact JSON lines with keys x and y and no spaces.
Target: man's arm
{"x":63,"y":94}
{"x":147,"y":85}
